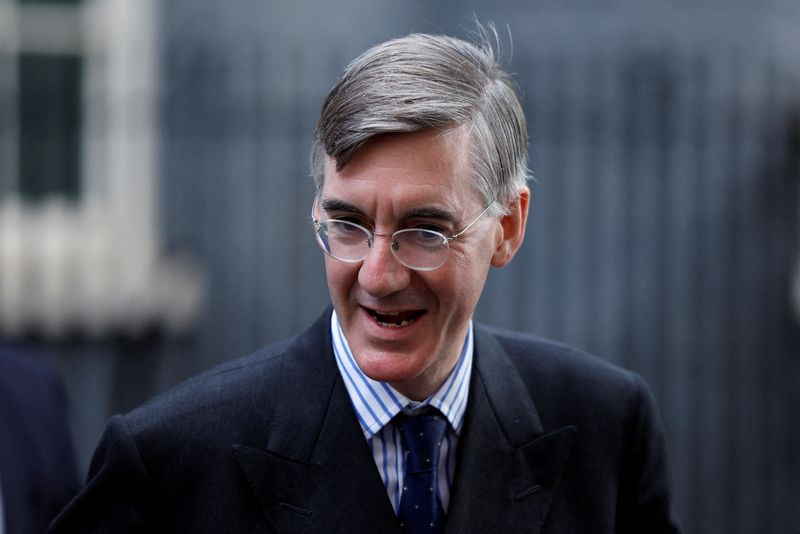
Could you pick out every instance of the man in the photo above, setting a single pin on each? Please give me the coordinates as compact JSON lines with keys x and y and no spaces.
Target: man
{"x":394,"y":412}
{"x":37,"y":465}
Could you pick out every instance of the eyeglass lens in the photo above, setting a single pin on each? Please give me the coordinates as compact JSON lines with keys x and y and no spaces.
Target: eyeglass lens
{"x":414,"y":248}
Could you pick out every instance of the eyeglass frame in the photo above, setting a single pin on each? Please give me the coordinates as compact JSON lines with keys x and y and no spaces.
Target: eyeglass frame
{"x":371,"y":237}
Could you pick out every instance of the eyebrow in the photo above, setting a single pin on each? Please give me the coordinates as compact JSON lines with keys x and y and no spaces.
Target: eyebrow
{"x":430,"y":213}
{"x":336,"y":204}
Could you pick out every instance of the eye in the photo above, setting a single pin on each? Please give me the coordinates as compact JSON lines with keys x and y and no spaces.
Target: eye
{"x":422,"y":238}
{"x":346,"y":226}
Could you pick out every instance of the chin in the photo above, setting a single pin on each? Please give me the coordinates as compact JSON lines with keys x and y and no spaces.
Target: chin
{"x":386,"y":366}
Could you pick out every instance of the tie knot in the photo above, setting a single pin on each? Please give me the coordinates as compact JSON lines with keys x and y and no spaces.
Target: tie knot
{"x":422,"y":439}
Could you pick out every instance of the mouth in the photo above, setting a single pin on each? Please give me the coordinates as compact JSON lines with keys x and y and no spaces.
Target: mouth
{"x":395,"y":319}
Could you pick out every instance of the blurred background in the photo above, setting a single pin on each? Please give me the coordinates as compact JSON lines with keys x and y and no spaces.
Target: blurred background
{"x":155,"y":197}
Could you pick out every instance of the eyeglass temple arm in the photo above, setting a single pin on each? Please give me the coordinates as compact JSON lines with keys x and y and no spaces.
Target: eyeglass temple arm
{"x":456,"y":235}
{"x":314,"y":205}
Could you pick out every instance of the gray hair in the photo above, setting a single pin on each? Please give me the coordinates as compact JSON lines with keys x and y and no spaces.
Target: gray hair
{"x":430,"y":81}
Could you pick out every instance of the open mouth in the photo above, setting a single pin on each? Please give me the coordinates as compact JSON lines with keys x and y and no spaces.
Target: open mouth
{"x":395,"y":319}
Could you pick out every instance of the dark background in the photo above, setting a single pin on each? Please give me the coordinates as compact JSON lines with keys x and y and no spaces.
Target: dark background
{"x":665,"y":142}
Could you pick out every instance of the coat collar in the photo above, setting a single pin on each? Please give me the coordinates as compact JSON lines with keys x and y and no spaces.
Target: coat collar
{"x":316,"y":468}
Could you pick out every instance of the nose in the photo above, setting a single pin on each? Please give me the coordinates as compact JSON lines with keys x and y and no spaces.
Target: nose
{"x":381,"y":274}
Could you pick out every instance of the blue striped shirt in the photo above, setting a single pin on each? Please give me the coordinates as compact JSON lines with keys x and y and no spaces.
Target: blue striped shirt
{"x":376,"y":403}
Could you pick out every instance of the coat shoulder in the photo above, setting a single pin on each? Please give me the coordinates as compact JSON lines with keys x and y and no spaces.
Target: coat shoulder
{"x":546,"y":355}
{"x":560,"y":377}
{"x":236,"y":401}
{"x":217,"y":399}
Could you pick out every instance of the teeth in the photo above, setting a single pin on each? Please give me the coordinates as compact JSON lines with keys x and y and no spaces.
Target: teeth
{"x":383,"y":318}
{"x":396,"y":325}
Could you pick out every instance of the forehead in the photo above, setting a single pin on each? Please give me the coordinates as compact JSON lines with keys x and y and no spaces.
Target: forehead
{"x":431,"y":166}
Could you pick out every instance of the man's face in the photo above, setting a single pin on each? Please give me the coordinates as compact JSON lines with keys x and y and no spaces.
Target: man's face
{"x":407,"y":327}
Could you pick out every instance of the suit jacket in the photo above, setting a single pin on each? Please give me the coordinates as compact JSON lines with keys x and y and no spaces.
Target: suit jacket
{"x":553,"y":441}
{"x":37,"y":465}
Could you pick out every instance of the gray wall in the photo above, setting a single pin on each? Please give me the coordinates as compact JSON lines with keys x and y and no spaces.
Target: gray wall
{"x":662,"y":233}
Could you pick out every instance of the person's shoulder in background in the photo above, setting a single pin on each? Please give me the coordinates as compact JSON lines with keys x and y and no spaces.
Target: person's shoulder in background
{"x":38,"y":475}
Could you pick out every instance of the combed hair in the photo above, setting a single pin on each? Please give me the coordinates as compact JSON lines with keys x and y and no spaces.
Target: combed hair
{"x":430,"y":81}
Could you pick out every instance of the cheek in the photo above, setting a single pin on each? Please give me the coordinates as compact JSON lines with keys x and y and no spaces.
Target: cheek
{"x":466,"y":277}
{"x":460,"y":285}
{"x":340,"y":276}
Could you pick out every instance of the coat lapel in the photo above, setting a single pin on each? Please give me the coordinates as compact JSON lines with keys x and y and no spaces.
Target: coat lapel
{"x":316,"y":469}
{"x":508,"y":467}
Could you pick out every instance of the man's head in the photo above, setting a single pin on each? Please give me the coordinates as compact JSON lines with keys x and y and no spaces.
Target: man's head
{"x":420,"y":135}
{"x":423,"y":82}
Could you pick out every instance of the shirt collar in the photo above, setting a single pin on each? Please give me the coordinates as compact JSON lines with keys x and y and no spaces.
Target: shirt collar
{"x":376,"y":403}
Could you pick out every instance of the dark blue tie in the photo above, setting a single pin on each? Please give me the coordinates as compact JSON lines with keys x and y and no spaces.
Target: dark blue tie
{"x":420,"y":509}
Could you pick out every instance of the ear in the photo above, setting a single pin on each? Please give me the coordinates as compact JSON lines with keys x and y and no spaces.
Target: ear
{"x":512,"y":229}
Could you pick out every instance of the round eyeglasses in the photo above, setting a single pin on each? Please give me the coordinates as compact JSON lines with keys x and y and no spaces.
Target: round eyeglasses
{"x":416,"y":248}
